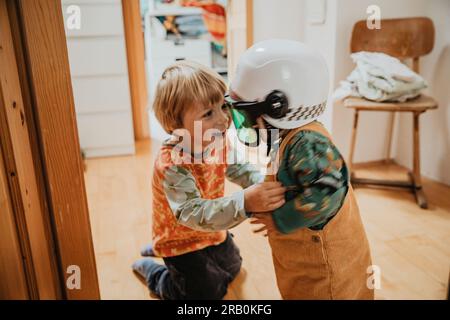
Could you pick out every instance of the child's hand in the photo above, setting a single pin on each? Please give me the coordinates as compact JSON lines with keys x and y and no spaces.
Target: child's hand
{"x":264,"y":196}
{"x":265,"y":220}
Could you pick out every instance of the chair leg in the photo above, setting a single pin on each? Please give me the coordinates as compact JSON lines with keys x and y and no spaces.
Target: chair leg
{"x":353,"y":141}
{"x":417,"y":181}
{"x":390,"y":134}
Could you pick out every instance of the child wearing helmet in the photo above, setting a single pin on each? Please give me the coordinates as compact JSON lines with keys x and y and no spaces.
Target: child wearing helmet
{"x":319,"y":246}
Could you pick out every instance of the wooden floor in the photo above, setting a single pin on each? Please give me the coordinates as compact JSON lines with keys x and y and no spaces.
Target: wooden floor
{"x":409,"y":244}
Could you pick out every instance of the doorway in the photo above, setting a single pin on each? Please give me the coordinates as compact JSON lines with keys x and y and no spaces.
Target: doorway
{"x":118,"y":160}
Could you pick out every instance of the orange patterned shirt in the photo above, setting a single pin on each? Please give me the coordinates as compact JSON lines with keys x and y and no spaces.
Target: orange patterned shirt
{"x":190,"y":211}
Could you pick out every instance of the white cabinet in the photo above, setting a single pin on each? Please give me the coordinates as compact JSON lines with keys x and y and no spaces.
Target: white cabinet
{"x":98,"y":65}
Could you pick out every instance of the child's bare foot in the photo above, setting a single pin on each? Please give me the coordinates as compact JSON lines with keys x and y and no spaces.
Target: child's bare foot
{"x":147,"y":251}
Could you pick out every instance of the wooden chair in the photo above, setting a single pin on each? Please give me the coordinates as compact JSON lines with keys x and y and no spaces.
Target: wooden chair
{"x":404,"y":39}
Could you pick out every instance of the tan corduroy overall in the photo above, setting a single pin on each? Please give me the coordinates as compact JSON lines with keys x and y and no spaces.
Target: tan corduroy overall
{"x":330,"y":263}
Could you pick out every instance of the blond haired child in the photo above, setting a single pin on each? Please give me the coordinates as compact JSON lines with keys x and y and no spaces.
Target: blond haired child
{"x":190,"y":211}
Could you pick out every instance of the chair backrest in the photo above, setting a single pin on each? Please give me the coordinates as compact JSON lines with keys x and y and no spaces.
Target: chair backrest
{"x":401,"y":38}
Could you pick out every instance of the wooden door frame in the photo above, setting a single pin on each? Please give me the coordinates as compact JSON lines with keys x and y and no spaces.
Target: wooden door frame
{"x":29,"y":213}
{"x":134,"y":39}
{"x":249,"y":21}
{"x":44,"y":109}
{"x":14,"y":271}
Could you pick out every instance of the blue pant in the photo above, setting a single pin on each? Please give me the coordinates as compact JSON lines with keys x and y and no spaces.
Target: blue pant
{"x":202,"y":274}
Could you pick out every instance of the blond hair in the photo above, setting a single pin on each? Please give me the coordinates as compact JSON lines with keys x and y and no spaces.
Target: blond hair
{"x":182,"y":85}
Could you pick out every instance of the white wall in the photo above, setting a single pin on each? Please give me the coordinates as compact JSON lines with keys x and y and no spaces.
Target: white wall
{"x":435,"y":125}
{"x":322,"y":36}
{"x":372,"y":138}
{"x":278,"y":19}
{"x":289,"y":19}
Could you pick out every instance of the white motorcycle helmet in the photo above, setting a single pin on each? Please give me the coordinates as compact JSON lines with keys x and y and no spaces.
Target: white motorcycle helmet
{"x":284,"y":81}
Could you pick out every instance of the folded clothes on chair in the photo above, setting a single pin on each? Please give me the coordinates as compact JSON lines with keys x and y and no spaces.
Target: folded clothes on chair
{"x":380,"y":77}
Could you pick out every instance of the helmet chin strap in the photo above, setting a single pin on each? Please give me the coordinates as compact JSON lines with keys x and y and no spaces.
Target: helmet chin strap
{"x":269,"y":141}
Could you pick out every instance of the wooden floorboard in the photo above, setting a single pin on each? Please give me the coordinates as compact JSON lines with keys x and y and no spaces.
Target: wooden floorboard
{"x":409,"y":244}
